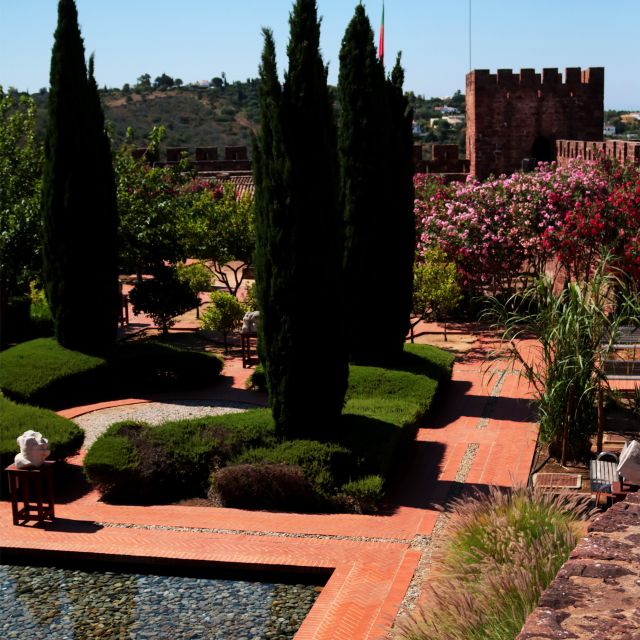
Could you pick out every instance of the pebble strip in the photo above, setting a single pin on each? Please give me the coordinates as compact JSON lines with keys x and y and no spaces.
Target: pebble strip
{"x":427,"y":544}
{"x":489,"y":408}
{"x":270,"y":534}
{"x":153,"y":413}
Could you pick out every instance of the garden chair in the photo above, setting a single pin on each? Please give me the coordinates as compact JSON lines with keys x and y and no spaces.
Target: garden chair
{"x":613,"y":476}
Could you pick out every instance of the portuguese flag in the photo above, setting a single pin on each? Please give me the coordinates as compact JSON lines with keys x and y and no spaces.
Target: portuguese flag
{"x":381,"y":42}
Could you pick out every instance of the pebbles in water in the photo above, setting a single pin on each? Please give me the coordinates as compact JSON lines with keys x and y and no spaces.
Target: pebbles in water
{"x":68,"y":604}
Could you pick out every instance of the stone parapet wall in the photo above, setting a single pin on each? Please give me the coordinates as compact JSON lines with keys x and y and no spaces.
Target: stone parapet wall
{"x":620,"y":150}
{"x":596,"y":594}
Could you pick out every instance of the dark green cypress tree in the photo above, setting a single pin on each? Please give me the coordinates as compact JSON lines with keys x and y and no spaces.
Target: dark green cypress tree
{"x":78,"y":203}
{"x":363,"y":143}
{"x":299,"y":242}
{"x":401,"y":232}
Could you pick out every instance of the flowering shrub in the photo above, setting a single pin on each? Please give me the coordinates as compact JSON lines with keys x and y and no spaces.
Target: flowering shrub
{"x":512,"y":226}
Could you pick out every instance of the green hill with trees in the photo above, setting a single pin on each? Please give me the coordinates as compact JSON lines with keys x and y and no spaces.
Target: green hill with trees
{"x":217,"y":112}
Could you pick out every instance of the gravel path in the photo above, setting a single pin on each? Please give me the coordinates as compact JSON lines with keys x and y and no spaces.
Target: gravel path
{"x":154,"y":413}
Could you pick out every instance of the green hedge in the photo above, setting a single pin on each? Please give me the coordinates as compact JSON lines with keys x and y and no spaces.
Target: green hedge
{"x":384,"y":407}
{"x":325,"y":465}
{"x":65,"y":437}
{"x":42,"y":373}
{"x":177,"y":459}
{"x":281,"y":487}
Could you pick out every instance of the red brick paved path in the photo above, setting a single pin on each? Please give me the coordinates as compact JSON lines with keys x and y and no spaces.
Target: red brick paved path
{"x":372,"y":556}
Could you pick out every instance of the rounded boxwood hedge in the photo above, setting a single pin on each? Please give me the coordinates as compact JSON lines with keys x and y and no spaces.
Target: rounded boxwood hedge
{"x":273,"y":487}
{"x":133,"y":462}
{"x":137,"y":462}
{"x":42,"y":373}
{"x":326,"y":465}
{"x":65,"y":437}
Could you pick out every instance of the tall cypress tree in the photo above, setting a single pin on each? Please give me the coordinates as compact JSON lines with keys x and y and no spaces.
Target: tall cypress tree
{"x":299,"y":243}
{"x":401,"y":231}
{"x":363,"y":143}
{"x":78,"y":204}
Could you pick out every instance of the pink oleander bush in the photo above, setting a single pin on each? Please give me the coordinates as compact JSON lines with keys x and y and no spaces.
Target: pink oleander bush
{"x":500,"y":553}
{"x":506,"y":228}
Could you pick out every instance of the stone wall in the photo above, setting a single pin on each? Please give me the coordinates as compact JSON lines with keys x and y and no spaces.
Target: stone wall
{"x":513,"y":116}
{"x":206,"y":158}
{"x":620,"y":150}
{"x":596,"y":594}
{"x":445,"y":161}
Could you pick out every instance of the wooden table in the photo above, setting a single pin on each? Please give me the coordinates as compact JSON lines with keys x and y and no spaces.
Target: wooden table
{"x":33,"y":487}
{"x":245,"y":345}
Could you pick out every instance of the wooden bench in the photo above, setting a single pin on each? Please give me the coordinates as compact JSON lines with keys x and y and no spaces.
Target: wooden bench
{"x":605,"y":479}
{"x":621,"y":369}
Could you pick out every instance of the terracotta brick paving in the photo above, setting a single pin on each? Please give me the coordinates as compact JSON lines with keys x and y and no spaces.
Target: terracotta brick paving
{"x":371,"y":556}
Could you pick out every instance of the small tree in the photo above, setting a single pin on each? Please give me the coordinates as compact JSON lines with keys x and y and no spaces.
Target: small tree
{"x":20,"y":186}
{"x":223,"y":315}
{"x":163,"y":297}
{"x":436,"y":291}
{"x":198,"y":277}
{"x":220,"y":230}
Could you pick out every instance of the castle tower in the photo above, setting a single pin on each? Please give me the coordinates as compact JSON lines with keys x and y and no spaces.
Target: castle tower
{"x":511,"y":116}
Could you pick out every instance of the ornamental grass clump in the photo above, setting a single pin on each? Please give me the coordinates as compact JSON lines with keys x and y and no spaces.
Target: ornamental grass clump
{"x":502,"y":551}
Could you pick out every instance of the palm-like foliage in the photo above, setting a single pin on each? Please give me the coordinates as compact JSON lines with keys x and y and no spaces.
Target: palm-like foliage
{"x":575,"y":330}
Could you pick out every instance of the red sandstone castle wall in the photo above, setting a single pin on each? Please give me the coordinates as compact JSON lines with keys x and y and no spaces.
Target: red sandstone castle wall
{"x":515,"y":116}
{"x":619,"y":150}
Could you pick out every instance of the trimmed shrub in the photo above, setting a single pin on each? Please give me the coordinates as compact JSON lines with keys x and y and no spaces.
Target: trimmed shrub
{"x":65,"y":437}
{"x":163,"y":297}
{"x":365,"y":493}
{"x":112,"y":462}
{"x":263,"y":486}
{"x":153,"y":365}
{"x":325,"y":465}
{"x":177,"y":459}
{"x":257,"y":380}
{"x":224,"y":315}
{"x":41,"y":372}
{"x":173,"y":460}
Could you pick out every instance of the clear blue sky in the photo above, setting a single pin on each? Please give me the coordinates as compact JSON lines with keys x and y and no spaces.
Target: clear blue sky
{"x":198,"y":39}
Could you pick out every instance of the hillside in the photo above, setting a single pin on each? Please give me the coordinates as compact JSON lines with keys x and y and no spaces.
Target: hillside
{"x":193,"y":117}
{"x":219,"y":116}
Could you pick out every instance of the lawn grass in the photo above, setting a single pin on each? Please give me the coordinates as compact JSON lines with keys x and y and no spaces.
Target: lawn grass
{"x":43,"y":373}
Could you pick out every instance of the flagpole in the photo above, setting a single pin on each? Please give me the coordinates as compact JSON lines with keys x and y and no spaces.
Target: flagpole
{"x":381,"y":41}
{"x":470,"y":67}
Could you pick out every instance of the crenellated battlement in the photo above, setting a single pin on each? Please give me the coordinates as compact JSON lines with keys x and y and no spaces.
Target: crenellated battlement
{"x":574,"y":78}
{"x":513,"y":117}
{"x":619,"y":150}
{"x":206,"y":158}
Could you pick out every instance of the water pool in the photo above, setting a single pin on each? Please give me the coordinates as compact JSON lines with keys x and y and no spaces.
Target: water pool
{"x":79,"y":603}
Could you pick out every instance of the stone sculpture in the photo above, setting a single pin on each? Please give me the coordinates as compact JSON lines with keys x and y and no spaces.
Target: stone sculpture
{"x":34,"y":450}
{"x":250,"y":322}
{"x":629,"y":465}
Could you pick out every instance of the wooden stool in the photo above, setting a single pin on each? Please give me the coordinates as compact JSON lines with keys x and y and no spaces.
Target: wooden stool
{"x":34,"y":488}
{"x":245,"y":344}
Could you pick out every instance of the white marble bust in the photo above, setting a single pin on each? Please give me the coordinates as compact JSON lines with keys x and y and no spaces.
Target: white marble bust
{"x":34,"y":450}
